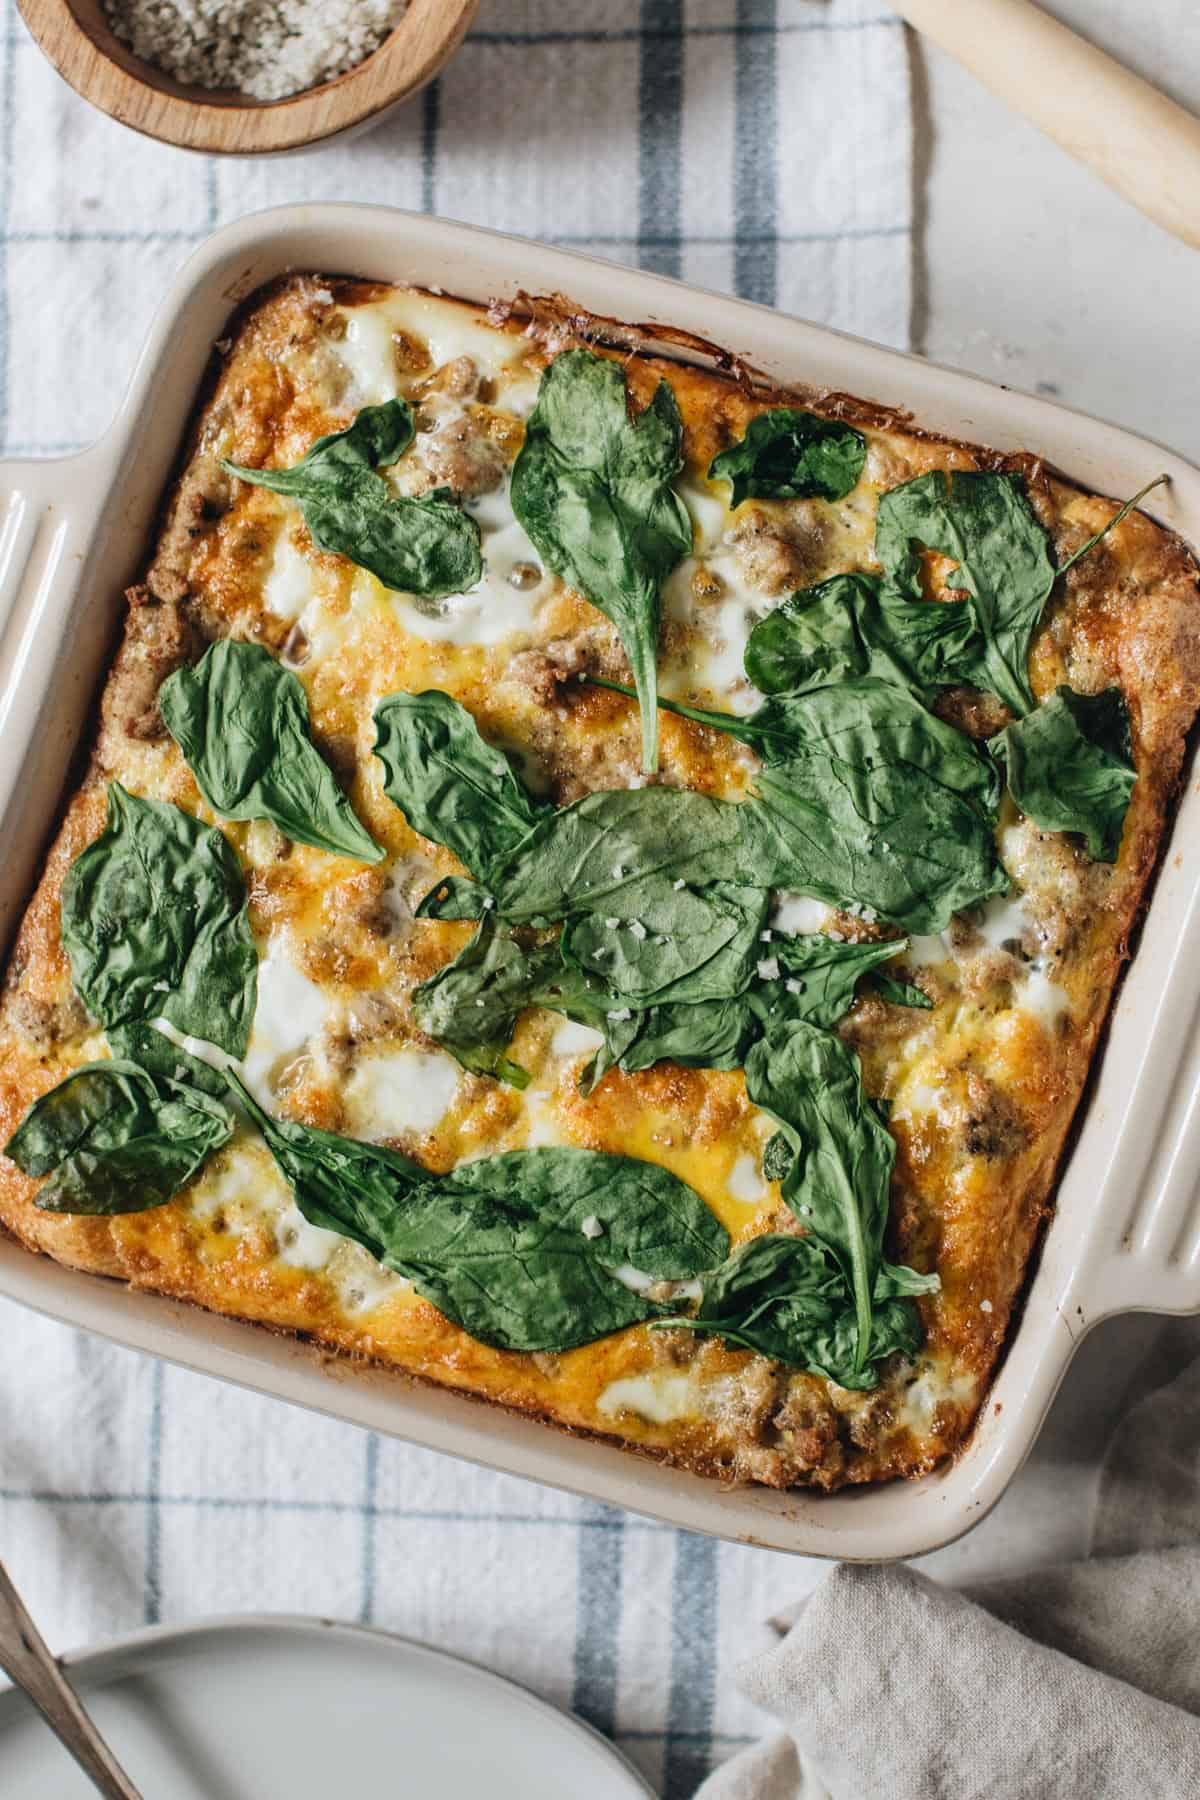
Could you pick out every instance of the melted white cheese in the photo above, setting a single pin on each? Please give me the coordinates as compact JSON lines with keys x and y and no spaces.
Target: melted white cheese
{"x":639,"y":1282}
{"x":391,"y":1092}
{"x":721,"y":625}
{"x":305,"y":1246}
{"x":708,"y":510}
{"x":246,"y":1195}
{"x":661,"y":1396}
{"x":369,"y":354}
{"x":571,"y":1039}
{"x":746,"y":1182}
{"x":291,"y":1010}
{"x":494,"y":610}
{"x":368,"y":350}
{"x":796,"y":913}
{"x":936,"y":1385}
{"x":289,"y":584}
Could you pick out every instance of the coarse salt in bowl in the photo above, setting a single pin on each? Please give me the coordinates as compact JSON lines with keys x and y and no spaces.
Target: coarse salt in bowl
{"x":307,"y":70}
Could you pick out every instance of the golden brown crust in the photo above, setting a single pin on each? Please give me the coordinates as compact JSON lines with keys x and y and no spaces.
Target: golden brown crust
{"x":975,"y":1171}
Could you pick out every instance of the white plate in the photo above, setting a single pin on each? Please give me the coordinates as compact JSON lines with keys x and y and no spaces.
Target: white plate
{"x":300,"y":1709}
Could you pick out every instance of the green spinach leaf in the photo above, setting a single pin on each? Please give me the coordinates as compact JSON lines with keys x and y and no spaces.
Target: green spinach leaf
{"x":601,"y":850}
{"x":241,"y":720}
{"x":453,"y":787}
{"x":839,"y":1180}
{"x":591,"y":487}
{"x":428,"y":546}
{"x":902,"y":993}
{"x":792,"y":455}
{"x":520,"y":1249}
{"x":114,"y":1138}
{"x":1122,"y":512}
{"x":501,"y":1247}
{"x":661,"y":943}
{"x":472,"y":1005}
{"x":1070,"y":766}
{"x":985,"y":522}
{"x":816,"y":980}
{"x":154,"y":922}
{"x":851,"y":626}
{"x":339,"y":1183}
{"x":864,"y":798}
{"x":152,"y":1050}
{"x":784,"y":1297}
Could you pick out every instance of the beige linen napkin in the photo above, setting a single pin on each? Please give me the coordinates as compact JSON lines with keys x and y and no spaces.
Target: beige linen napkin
{"x":1080,"y":1682}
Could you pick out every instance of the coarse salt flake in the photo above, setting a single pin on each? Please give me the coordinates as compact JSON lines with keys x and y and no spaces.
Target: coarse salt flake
{"x":266,"y":49}
{"x":591,"y":1227}
{"x":768,"y":968}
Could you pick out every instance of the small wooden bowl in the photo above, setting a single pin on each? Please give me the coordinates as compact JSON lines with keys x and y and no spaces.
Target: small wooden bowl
{"x":75,"y":35}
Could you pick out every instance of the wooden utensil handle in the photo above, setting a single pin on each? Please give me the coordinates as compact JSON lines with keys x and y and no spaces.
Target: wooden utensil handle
{"x":1139,"y":142}
{"x":25,"y":1656}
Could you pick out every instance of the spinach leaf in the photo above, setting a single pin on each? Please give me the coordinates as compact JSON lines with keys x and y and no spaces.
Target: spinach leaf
{"x":902,"y":993}
{"x":839,"y":1179}
{"x":661,"y":943}
{"x":648,"y":882}
{"x":471,"y":1006}
{"x":456,"y":897}
{"x":851,"y":626}
{"x":241,"y":720}
{"x":864,"y":797}
{"x":792,"y":455}
{"x":339,"y":1183}
{"x":591,"y":487}
{"x":1122,"y":512}
{"x":115,"y":1139}
{"x":985,"y":522}
{"x":156,"y":1053}
{"x":428,"y":546}
{"x":453,"y":787}
{"x":587,"y":857}
{"x":1070,"y":766}
{"x":154,"y":921}
{"x":816,"y":981}
{"x":778,"y":1157}
{"x":818,"y":977}
{"x":499,"y":1246}
{"x":784,"y":1297}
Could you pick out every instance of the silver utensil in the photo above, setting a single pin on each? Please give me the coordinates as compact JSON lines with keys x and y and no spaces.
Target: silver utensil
{"x":25,"y":1657}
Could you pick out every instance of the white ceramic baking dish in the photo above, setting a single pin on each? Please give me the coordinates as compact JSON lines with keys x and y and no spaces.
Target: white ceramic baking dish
{"x":1126,"y":1236}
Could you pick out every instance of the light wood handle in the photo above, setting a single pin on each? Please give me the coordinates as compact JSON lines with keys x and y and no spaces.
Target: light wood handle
{"x":1139,"y":142}
{"x":24,"y":1656}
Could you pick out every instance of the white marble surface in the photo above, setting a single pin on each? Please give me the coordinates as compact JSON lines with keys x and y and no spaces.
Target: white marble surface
{"x":1036,"y":275}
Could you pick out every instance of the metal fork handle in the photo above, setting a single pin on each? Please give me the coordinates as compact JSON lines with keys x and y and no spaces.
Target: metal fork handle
{"x":25,"y":1656}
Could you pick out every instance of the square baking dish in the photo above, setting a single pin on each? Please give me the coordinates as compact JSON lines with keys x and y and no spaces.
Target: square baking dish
{"x":1126,"y":1235}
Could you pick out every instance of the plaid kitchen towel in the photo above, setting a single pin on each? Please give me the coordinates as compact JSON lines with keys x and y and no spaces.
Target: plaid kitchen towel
{"x":761,"y":146}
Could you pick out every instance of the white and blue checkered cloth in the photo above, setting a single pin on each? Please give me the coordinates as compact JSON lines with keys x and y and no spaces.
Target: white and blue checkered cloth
{"x":761,"y":146}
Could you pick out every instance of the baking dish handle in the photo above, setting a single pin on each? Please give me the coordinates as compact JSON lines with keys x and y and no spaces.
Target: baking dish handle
{"x":50,"y":510}
{"x":46,"y":505}
{"x":1149,"y":1259}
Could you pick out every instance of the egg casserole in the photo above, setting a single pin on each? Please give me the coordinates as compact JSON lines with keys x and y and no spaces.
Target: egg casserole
{"x":928,"y":746}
